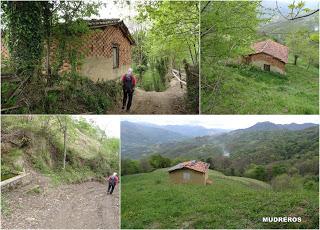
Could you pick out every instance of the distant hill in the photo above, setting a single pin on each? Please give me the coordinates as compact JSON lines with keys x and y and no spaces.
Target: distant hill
{"x":261,"y":143}
{"x":141,"y":139}
{"x":193,"y":130}
{"x":268,"y":126}
{"x":136,"y":138}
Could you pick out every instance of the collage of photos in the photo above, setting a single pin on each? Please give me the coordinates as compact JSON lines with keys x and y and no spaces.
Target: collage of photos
{"x":160,"y":114}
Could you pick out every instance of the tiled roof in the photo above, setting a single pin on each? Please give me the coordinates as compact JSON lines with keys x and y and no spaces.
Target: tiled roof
{"x":198,"y":166}
{"x":272,"y":48}
{"x":101,"y":23}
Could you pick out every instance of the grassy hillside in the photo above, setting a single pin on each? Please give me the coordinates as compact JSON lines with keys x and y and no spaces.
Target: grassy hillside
{"x":149,"y":201}
{"x":247,"y":90}
{"x":36,"y":143}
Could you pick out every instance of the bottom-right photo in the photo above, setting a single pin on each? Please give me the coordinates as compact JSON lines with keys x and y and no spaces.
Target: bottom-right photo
{"x":224,"y":171}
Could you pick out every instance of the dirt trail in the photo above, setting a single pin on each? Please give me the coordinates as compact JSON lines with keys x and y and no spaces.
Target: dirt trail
{"x":76,"y":206}
{"x":170,"y":101}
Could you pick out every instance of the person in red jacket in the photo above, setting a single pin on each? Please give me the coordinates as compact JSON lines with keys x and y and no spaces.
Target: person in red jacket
{"x":128,"y":84}
{"x":113,"y":181}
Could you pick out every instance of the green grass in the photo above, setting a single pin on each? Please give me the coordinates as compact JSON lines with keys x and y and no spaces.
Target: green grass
{"x":35,"y":190}
{"x":5,"y":210}
{"x":151,"y":81}
{"x":149,"y":201}
{"x":71,"y":175}
{"x":245,"y":90}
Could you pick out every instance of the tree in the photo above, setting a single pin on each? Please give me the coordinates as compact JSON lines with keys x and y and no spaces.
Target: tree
{"x":302,"y":44}
{"x":297,"y":10}
{"x":256,"y":172}
{"x":158,"y":161}
{"x":227,"y":29}
{"x":24,"y":31}
{"x":174,"y":30}
{"x":63,"y":122}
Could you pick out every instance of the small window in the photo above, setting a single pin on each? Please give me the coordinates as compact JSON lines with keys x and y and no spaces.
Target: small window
{"x":115,"y":56}
{"x":186,"y":175}
{"x":266,"y":67}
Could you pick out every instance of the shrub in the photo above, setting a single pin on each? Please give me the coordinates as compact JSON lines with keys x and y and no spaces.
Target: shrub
{"x":256,"y":172}
{"x":285,"y":182}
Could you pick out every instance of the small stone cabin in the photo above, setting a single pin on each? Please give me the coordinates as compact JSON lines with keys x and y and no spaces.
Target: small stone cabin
{"x":107,"y":50}
{"x":269,"y":56}
{"x":189,"y":172}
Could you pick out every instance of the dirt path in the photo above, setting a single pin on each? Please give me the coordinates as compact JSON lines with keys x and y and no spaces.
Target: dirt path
{"x":170,"y":101}
{"x":77,"y":206}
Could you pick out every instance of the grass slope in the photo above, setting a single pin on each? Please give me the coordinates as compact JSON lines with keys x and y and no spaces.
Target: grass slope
{"x":25,"y":143}
{"x":244,"y":90}
{"x":149,"y":201}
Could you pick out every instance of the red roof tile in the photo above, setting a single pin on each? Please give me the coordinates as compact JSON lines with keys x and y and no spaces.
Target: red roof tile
{"x":272,"y":48}
{"x":198,"y":166}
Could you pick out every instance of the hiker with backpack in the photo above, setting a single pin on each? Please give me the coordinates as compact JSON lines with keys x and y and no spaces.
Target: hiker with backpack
{"x":128,"y":84}
{"x":113,"y":181}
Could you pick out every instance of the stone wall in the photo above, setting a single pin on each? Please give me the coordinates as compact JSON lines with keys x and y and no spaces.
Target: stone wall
{"x":260,"y":59}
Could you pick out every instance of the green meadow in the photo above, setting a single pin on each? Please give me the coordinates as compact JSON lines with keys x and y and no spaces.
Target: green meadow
{"x":248,"y":90}
{"x":148,"y":200}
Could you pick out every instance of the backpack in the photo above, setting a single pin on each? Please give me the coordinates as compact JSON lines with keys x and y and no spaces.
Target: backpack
{"x":112,"y":180}
{"x":128,"y":82}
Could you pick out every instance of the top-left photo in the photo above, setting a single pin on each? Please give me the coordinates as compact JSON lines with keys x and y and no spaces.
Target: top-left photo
{"x":100,"y":57}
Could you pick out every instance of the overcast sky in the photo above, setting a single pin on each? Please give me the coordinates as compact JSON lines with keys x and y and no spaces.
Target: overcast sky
{"x":221,"y":121}
{"x":109,"y":123}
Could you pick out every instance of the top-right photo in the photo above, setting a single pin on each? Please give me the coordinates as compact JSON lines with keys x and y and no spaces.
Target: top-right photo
{"x":259,"y":57}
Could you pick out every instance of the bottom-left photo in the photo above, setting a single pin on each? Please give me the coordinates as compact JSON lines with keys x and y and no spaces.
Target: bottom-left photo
{"x":60,"y":171}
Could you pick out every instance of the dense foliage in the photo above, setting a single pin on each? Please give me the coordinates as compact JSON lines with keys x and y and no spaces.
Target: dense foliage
{"x":24,"y":34}
{"x":41,"y":37}
{"x":39,"y":143}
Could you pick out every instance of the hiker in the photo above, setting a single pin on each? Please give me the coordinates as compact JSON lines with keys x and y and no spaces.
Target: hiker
{"x":128,"y":84}
{"x":112,"y":180}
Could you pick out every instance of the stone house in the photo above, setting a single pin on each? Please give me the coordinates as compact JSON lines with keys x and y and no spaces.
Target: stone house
{"x":269,"y":56}
{"x":189,"y":172}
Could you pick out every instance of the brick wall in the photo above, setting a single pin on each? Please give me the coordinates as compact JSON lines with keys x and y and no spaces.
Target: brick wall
{"x":98,"y":63}
{"x":260,"y":59}
{"x":97,"y":48}
{"x":100,"y":42}
{"x":4,"y":50}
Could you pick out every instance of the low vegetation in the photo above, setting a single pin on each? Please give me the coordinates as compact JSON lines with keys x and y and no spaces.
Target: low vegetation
{"x":37,"y":142}
{"x":70,"y":94}
{"x":150,"y":201}
{"x":245,"y":89}
{"x":227,"y":36}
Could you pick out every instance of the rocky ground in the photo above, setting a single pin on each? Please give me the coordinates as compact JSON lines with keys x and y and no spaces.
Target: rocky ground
{"x":76,"y":206}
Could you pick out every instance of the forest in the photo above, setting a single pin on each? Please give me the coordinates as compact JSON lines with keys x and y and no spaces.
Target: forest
{"x":231,"y":86}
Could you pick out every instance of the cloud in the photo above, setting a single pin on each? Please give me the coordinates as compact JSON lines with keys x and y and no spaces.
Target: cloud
{"x":221,"y":121}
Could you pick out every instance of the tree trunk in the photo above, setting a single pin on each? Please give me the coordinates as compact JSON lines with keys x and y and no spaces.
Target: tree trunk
{"x":65,"y":146}
{"x":296,"y":59}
